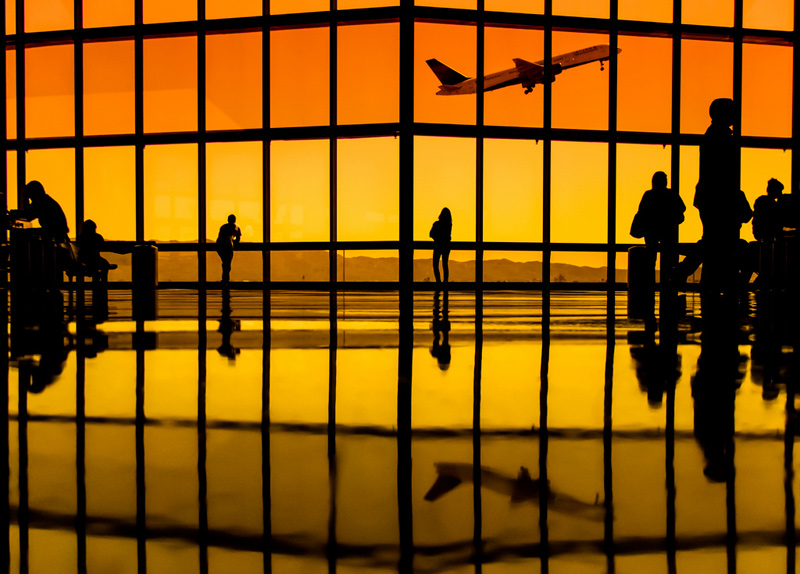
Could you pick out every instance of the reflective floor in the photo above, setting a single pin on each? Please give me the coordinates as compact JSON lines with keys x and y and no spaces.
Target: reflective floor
{"x":402,"y":432}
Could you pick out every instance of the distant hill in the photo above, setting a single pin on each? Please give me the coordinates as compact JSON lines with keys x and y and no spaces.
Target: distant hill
{"x":313,"y":266}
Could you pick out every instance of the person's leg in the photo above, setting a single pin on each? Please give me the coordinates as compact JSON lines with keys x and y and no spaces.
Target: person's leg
{"x":446,"y":265}
{"x":436,"y":256}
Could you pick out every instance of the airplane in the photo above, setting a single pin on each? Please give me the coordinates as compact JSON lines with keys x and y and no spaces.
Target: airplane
{"x":523,"y":488}
{"x":526,"y":73}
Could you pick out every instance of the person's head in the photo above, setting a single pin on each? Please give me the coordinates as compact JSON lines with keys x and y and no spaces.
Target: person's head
{"x":34,"y":190}
{"x":722,"y":111}
{"x":774,"y":187}
{"x":659,"y":180}
{"x":89,"y":226}
{"x":445,"y":215}
{"x":231,"y":218}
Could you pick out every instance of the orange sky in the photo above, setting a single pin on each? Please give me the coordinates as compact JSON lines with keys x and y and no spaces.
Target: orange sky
{"x":368,"y":65}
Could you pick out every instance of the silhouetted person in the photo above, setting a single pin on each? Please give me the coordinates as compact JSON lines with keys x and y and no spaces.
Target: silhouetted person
{"x":229,"y":236}
{"x":722,"y":205}
{"x":441,"y":332}
{"x":47,"y":210}
{"x":766,"y":213}
{"x":440,"y":233}
{"x":662,"y":210}
{"x":90,"y":244}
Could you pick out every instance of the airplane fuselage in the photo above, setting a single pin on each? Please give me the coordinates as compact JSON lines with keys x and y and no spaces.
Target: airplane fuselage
{"x":529,"y":73}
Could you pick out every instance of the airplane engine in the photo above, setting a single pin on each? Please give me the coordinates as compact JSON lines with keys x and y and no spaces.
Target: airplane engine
{"x":556,"y":71}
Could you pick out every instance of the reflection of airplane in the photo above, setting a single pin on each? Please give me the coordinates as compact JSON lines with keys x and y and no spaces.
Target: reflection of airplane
{"x":526,"y":73}
{"x":520,"y":489}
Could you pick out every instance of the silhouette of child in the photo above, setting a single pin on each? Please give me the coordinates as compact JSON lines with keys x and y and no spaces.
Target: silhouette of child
{"x":229,"y":236}
{"x":440,"y":233}
{"x":90,"y":244}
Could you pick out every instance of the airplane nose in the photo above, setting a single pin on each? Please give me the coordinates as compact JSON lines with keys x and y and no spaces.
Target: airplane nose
{"x":619,"y":50}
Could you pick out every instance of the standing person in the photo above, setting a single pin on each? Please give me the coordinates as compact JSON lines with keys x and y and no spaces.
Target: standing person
{"x":719,"y":199}
{"x":229,"y":235}
{"x":440,"y":233}
{"x":662,"y":211}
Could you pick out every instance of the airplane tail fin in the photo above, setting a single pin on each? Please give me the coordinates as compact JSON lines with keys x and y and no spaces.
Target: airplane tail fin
{"x":447,"y":76}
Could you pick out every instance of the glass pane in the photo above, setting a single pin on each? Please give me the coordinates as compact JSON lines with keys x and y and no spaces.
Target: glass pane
{"x":444,"y":176}
{"x":11,"y":16}
{"x":349,"y":4}
{"x":108,"y":84}
{"x":652,"y":11}
{"x":170,"y":84}
{"x":300,"y":266}
{"x":581,"y":267}
{"x":511,"y":106}
{"x":170,"y":192}
{"x":766,"y":110}
{"x":361,"y":265}
{"x":461,"y":265}
{"x":769,"y":14}
{"x":50,"y":91}
{"x":758,"y":166}
{"x":701,"y":84}
{"x":367,"y":194}
{"x":512,"y":266}
{"x":55,"y":170}
{"x":691,"y":230}
{"x":709,"y":12}
{"x":11,"y":94}
{"x":235,"y":185}
{"x":579,"y":197}
{"x":455,"y":47}
{"x":110,"y":191}
{"x":571,"y":107}
{"x":636,"y":165}
{"x":584,"y":8}
{"x":468,"y":4}
{"x":177,"y":266}
{"x":303,"y":101}
{"x":300,"y":190}
{"x":247,"y":265}
{"x":11,"y":180}
{"x":645,"y":84}
{"x":98,"y":13}
{"x":369,"y":73}
{"x":43,"y":15}
{"x":233,"y":81}
{"x":111,"y":462}
{"x":294,"y":6}
{"x":172,"y":11}
{"x":525,"y":6}
{"x":233,"y":8}
{"x":512,"y":192}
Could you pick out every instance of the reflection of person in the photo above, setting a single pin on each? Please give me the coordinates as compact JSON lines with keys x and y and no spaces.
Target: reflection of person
{"x":440,"y":233}
{"x":90,"y":244}
{"x":227,"y":325}
{"x":441,"y":332}
{"x":719,"y":373}
{"x":47,"y":210}
{"x":662,"y":211}
{"x":229,"y":236}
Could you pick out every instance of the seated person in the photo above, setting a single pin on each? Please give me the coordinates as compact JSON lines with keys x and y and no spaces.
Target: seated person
{"x":90,"y":244}
{"x":47,"y":210}
{"x":767,"y":214}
